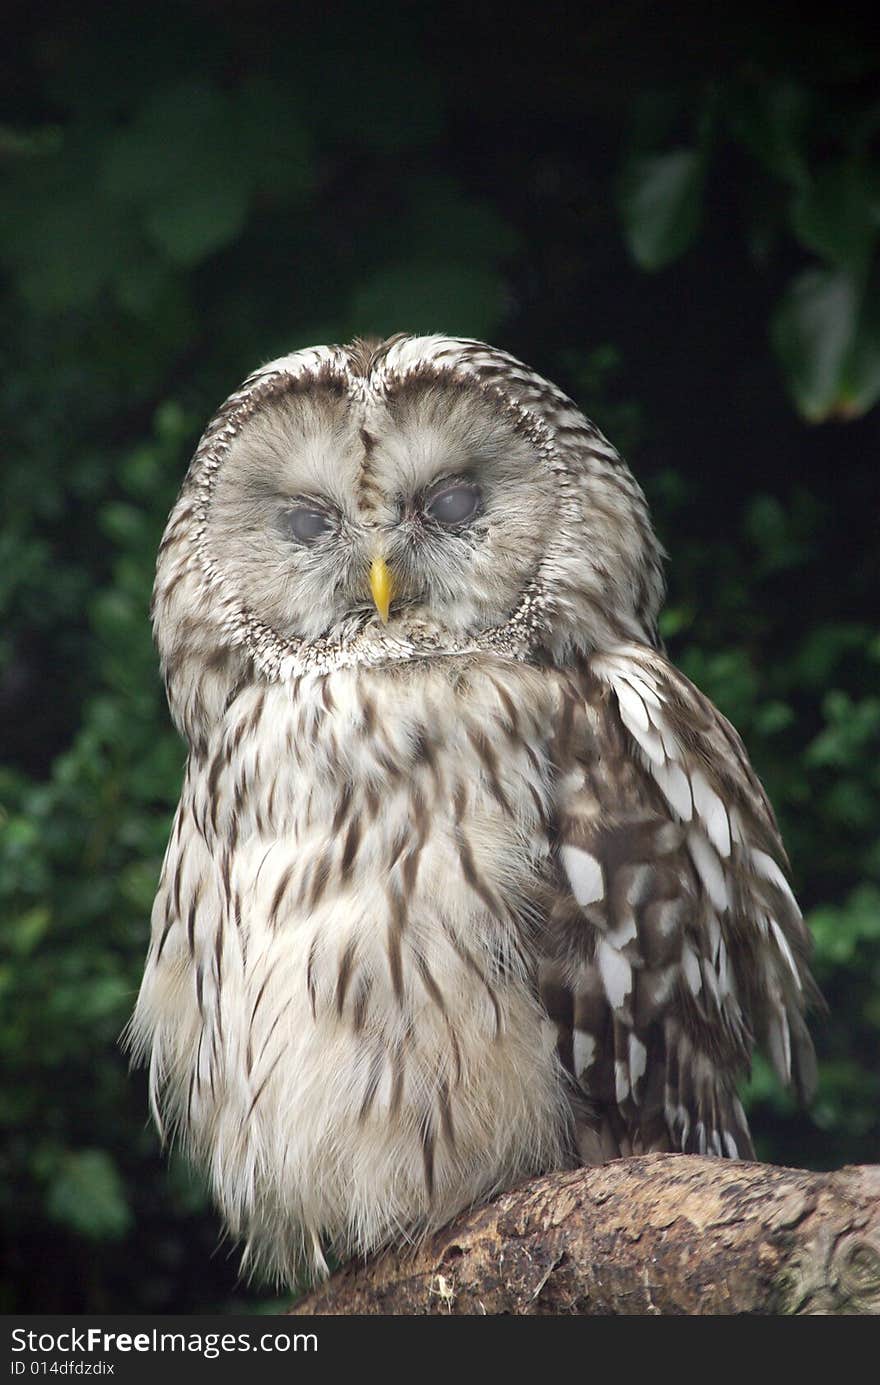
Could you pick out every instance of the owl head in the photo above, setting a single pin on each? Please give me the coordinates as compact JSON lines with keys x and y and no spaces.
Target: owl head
{"x":379,"y":502}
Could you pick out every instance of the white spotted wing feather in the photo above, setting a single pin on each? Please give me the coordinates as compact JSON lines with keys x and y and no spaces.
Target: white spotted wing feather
{"x":680,"y":943}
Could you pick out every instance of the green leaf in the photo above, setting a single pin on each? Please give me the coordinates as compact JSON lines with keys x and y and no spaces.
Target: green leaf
{"x":190,"y":161}
{"x":769,"y":120}
{"x":62,"y":243}
{"x":811,"y":331}
{"x":87,"y":1196}
{"x":839,"y":930}
{"x":167,"y":144}
{"x":860,"y":380}
{"x":201,"y":219}
{"x":25,"y":932}
{"x":851,"y":732}
{"x":772,"y":717}
{"x":674,"y":620}
{"x":774,"y":530}
{"x":826,"y":335}
{"x":661,"y":205}
{"x":834,"y":215}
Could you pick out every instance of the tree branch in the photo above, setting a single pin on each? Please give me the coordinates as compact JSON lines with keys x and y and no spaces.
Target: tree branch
{"x":656,"y":1234}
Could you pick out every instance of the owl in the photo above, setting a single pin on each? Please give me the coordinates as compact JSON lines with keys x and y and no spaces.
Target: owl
{"x":467,"y":882}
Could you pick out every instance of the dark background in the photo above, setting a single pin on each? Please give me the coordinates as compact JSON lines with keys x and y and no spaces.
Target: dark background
{"x":673,"y":215}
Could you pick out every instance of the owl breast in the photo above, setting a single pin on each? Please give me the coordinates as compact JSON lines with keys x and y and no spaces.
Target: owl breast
{"x":351,"y":889}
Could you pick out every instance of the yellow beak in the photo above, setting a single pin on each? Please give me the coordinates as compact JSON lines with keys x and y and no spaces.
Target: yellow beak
{"x":382,"y":587}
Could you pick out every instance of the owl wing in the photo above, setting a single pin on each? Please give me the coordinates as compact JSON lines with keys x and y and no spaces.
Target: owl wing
{"x":675,"y":942}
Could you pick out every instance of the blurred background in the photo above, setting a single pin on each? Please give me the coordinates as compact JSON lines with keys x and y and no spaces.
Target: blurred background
{"x":672,"y":214}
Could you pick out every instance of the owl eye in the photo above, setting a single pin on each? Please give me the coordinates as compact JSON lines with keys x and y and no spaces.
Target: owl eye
{"x":306,"y":524}
{"x":454,"y":504}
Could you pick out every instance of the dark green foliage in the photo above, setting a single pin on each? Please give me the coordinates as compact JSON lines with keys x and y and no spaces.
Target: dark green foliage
{"x":192,"y":190}
{"x":810,"y":173}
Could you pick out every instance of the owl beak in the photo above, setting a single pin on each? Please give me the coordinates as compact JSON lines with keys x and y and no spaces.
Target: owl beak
{"x":382,"y":587}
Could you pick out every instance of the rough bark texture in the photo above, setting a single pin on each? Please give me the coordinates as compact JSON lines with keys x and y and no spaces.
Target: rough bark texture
{"x":657,"y":1234}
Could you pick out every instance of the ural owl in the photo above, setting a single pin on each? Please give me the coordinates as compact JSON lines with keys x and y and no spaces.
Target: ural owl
{"x":467,"y":882}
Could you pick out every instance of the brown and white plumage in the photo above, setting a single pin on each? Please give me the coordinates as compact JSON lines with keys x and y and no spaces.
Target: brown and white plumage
{"x":465,"y":894}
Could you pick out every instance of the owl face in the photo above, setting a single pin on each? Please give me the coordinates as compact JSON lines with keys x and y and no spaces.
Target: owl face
{"x":426,"y":505}
{"x":369,"y":504}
